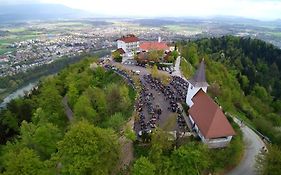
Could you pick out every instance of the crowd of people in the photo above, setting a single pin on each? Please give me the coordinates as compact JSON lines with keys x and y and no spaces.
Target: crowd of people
{"x":181,"y":86}
{"x":146,"y":99}
{"x":174,"y":93}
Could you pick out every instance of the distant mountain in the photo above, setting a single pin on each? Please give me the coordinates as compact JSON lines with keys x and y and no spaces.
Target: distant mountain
{"x":17,"y":13}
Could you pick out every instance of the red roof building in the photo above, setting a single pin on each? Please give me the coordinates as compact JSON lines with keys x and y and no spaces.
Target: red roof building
{"x":151,"y":45}
{"x":129,"y":38}
{"x":209,"y":117}
{"x":205,"y":116}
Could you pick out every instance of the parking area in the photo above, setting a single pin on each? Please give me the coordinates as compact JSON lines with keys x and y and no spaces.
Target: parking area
{"x":158,"y":105}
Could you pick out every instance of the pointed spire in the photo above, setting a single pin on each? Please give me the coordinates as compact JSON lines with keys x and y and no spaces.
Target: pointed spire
{"x":199,"y":78}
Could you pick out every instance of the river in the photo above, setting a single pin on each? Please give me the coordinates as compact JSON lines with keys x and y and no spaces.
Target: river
{"x":18,"y":93}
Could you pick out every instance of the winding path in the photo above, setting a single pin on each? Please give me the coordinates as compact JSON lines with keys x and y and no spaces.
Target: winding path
{"x":253,"y":145}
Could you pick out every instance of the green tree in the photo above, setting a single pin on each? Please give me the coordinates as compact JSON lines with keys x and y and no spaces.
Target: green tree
{"x":192,"y":54}
{"x":22,"y":160}
{"x":143,"y":167}
{"x":244,"y":82}
{"x":154,"y":71}
{"x":114,"y":99}
{"x":84,"y":110}
{"x":191,"y":159}
{"x":155,"y":55}
{"x":261,"y":93}
{"x":72,"y":94}
{"x":130,"y":134}
{"x":125,"y":100}
{"x":86,"y":149}
{"x":269,"y":163}
{"x":50,"y":101}
{"x":117,"y":56}
{"x":97,"y":98}
{"x":41,"y":138}
{"x":115,"y":121}
{"x":160,"y":139}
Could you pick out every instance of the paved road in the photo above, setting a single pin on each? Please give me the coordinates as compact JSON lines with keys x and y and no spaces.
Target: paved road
{"x":253,"y":145}
{"x":177,"y":71}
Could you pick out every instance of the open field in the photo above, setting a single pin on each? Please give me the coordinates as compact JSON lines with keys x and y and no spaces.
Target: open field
{"x":179,"y":28}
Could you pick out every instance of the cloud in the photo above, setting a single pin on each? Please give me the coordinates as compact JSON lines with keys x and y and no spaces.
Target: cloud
{"x":14,"y":2}
{"x":258,"y":9}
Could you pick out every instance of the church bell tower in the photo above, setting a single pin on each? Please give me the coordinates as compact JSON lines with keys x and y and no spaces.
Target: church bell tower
{"x":197,"y":82}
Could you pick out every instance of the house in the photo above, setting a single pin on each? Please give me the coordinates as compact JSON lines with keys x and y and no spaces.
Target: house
{"x":206,"y":117}
{"x":154,"y":45}
{"x":129,"y":43}
{"x":120,"y":51}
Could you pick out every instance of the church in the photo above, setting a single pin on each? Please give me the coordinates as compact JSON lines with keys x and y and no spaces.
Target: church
{"x":206,"y":117}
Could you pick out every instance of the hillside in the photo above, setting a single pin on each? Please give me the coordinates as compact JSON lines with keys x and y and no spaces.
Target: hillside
{"x":244,"y":76}
{"x":41,"y":137}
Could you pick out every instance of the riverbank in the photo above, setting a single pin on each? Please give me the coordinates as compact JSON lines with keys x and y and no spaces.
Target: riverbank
{"x":11,"y":84}
{"x":18,"y":93}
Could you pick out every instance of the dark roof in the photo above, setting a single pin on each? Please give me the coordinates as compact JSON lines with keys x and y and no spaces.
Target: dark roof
{"x":199,"y":79}
{"x":209,"y":117}
{"x":120,"y":50}
{"x":129,"y":38}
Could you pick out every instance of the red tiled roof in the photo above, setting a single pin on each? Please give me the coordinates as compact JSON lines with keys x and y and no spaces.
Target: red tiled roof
{"x":154,"y":46}
{"x":120,"y":50}
{"x":209,"y":117}
{"x":129,"y":39}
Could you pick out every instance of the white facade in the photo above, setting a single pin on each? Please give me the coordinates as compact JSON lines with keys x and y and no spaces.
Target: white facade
{"x":130,"y":47}
{"x":192,"y":90}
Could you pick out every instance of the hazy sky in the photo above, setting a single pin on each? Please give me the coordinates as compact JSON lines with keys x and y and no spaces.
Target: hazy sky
{"x":258,"y":9}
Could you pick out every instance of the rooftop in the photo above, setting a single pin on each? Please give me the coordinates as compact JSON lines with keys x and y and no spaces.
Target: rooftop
{"x":209,"y":117}
{"x":154,"y":45}
{"x":120,"y":50}
{"x":199,"y":78}
{"x":129,"y":38}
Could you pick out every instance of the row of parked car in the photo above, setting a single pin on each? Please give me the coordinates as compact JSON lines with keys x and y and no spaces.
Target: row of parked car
{"x":168,"y":69}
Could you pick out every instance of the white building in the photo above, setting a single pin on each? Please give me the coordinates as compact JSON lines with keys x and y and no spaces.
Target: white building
{"x":196,"y":83}
{"x":206,"y":117}
{"x":129,"y":43}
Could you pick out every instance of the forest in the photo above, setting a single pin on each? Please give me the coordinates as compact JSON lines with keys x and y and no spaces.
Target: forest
{"x":245,"y":79}
{"x":37,"y":137}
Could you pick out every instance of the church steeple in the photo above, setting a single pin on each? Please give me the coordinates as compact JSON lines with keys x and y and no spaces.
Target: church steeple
{"x":199,"y":78}
{"x":197,"y":82}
